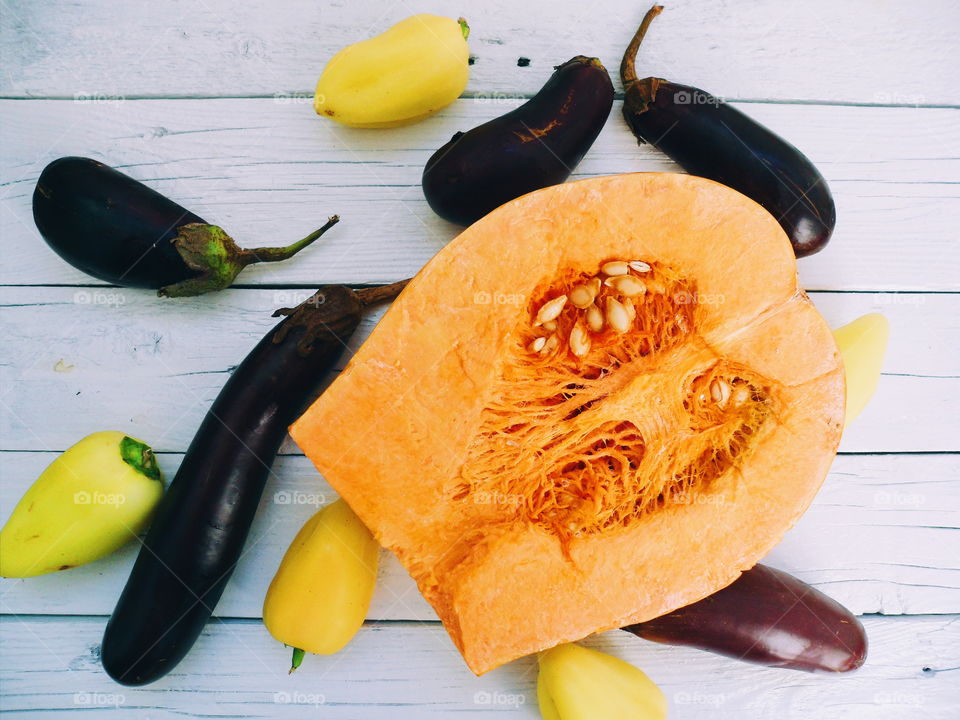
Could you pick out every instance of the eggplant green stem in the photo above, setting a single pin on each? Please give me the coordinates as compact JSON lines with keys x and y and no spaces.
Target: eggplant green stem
{"x":297,"y":659}
{"x":218,"y":260}
{"x":464,"y":28}
{"x":628,"y":67}
{"x":275,"y":254}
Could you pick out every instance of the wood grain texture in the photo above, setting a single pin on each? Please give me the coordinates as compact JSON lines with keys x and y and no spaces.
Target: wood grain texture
{"x":270,"y":172}
{"x":127,"y":360}
{"x":880,"y":538}
{"x":881,"y":535}
{"x":412,"y":670}
{"x":821,"y":50}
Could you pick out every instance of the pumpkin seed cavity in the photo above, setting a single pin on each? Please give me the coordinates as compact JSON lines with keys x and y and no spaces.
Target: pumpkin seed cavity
{"x":611,"y":406}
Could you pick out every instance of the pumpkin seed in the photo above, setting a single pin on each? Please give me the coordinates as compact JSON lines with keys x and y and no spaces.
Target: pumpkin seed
{"x":617,"y":316}
{"x":627,"y":285}
{"x":553,"y":342}
{"x":631,"y":311}
{"x":579,"y":341}
{"x":550,"y":326}
{"x":581,"y":296}
{"x":537,"y":344}
{"x":719,"y":392}
{"x":639,"y":266}
{"x":594,"y":318}
{"x":551,"y":310}
{"x":615,"y":267}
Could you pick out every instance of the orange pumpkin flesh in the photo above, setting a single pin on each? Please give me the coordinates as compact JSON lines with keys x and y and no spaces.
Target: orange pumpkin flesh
{"x":536,"y":496}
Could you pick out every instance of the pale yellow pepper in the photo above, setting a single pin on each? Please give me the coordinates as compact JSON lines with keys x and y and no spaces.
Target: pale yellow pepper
{"x":91,"y":500}
{"x":863,"y":344}
{"x":578,"y":683}
{"x":320,"y":595}
{"x":417,"y":67}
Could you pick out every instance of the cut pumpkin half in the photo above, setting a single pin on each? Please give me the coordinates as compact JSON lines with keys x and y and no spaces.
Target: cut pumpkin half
{"x":600,"y":403}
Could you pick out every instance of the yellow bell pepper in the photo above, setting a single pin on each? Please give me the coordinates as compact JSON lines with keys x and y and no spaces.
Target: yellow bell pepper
{"x":577,"y":683}
{"x":320,"y":595}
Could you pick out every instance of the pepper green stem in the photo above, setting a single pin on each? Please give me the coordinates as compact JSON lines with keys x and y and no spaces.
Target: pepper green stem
{"x":297,"y":659}
{"x":464,"y":28}
{"x":218,"y":259}
{"x":140,"y":457}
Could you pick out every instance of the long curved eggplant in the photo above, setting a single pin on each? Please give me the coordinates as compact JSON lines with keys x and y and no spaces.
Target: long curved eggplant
{"x":767,"y":617}
{"x":203,"y":519}
{"x":536,"y":145}
{"x":117,"y":229}
{"x":709,"y":138}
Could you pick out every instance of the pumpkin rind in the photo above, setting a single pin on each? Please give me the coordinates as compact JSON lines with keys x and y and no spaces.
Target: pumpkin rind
{"x":408,"y":434}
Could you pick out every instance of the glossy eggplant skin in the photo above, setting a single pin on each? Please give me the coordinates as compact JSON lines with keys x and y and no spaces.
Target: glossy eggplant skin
{"x":109,"y":225}
{"x":202,"y":521}
{"x":711,"y":139}
{"x":770,"y":618}
{"x":534,"y":146}
{"x":119,"y":230}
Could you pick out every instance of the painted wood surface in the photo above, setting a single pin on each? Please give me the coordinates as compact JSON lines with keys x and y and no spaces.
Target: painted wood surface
{"x":393,"y":670}
{"x":863,"y":51}
{"x":867,"y":88}
{"x":270,"y":171}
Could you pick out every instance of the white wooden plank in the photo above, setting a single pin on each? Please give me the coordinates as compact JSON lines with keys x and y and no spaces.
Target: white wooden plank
{"x":270,"y":172}
{"x":50,"y":669}
{"x":880,"y":537}
{"x":923,"y":329}
{"x":151,"y":367}
{"x":872,"y":52}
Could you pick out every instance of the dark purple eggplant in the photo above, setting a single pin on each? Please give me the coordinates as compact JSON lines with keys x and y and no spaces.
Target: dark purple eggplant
{"x":709,"y":138}
{"x":767,"y":617}
{"x":119,"y":230}
{"x":536,"y":145}
{"x":202,"y":521}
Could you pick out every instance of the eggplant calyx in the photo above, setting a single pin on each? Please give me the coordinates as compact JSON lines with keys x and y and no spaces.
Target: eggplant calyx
{"x":331,"y":313}
{"x":640,"y":95}
{"x":637,"y":101}
{"x":140,"y":457}
{"x":209,"y":250}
